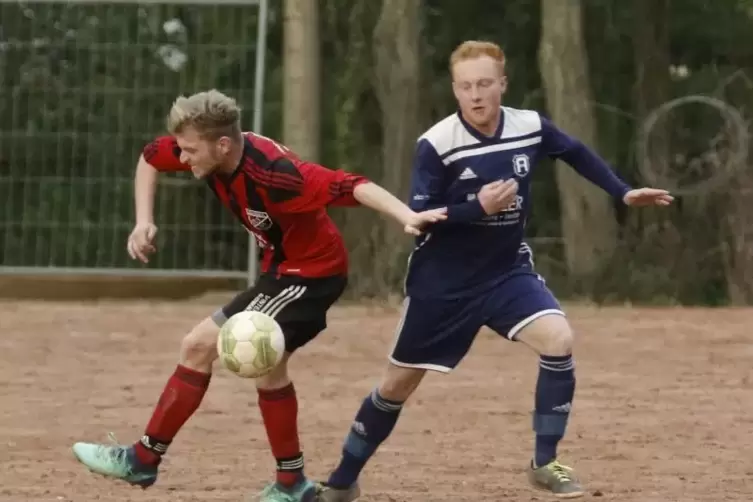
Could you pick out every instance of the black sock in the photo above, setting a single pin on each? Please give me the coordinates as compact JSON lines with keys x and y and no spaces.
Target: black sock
{"x":555,"y":389}
{"x":372,"y":426}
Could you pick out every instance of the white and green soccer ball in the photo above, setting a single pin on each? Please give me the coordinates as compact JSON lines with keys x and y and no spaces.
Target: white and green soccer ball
{"x":250,"y":344}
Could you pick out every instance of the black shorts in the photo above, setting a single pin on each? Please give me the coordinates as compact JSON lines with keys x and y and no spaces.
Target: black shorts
{"x":298,"y":304}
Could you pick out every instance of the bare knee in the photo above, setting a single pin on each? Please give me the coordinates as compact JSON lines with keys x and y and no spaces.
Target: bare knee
{"x":198,"y":350}
{"x":559,"y":343}
{"x":549,"y":335}
{"x":277,"y":378}
{"x":399,"y":383}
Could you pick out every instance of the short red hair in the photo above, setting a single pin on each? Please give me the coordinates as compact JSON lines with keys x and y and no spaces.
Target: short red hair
{"x":473,"y":49}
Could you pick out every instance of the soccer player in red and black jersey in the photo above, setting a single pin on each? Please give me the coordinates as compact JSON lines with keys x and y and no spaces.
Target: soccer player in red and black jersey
{"x":281,"y":200}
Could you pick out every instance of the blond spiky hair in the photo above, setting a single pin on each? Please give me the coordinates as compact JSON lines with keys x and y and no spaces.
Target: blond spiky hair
{"x":211,"y":113}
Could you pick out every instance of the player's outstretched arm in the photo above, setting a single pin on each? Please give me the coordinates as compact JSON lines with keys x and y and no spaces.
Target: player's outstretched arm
{"x":298,"y":186}
{"x":588,"y":164}
{"x":374,"y":196}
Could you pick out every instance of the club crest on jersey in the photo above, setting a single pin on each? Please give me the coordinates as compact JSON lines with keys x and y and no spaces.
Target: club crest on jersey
{"x":521,"y":164}
{"x":259,"y":219}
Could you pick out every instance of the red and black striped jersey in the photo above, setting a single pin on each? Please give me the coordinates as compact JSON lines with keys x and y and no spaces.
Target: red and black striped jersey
{"x":281,"y":200}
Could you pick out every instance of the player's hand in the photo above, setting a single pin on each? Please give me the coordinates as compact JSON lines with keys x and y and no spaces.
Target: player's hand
{"x":416,"y":224}
{"x":141,"y":241}
{"x":496,"y":196}
{"x":647,"y":197}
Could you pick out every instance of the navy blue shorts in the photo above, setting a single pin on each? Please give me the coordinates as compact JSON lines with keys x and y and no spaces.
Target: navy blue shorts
{"x":436,"y":334}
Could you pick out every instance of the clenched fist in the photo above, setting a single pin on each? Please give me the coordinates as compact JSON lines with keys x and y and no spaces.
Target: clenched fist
{"x":496,"y":196}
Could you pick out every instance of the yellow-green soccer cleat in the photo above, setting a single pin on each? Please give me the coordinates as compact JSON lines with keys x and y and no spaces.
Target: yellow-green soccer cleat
{"x":115,"y":461}
{"x":557,"y":479}
{"x":304,"y":491}
{"x":329,"y":494}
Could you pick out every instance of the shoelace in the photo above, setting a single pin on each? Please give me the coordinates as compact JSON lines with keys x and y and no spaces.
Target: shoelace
{"x":561,"y":472}
{"x":116,"y":454}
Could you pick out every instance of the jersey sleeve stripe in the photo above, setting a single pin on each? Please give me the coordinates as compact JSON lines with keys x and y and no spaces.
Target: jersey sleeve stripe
{"x":260,"y":168}
{"x":275,"y":180}
{"x":150,"y":151}
{"x":345,"y":187}
{"x":286,"y":178}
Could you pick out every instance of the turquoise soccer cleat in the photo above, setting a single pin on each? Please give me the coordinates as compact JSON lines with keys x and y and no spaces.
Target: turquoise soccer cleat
{"x":304,"y":491}
{"x":115,"y":461}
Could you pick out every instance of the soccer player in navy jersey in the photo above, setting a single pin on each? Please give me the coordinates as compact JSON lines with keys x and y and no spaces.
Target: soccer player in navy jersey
{"x":281,"y":200}
{"x":474,"y":270}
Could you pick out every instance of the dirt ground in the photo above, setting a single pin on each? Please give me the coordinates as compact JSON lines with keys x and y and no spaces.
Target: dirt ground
{"x":662,"y":410}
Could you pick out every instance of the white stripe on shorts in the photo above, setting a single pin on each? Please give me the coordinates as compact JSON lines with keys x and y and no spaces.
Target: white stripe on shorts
{"x":398,"y":331}
{"x":528,"y":320}
{"x":284,"y":298}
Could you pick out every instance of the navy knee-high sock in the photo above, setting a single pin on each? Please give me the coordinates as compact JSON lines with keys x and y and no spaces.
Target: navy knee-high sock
{"x":372,"y":426}
{"x":555,"y":389}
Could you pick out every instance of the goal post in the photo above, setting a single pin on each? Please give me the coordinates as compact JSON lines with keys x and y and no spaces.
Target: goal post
{"x":86,"y":83}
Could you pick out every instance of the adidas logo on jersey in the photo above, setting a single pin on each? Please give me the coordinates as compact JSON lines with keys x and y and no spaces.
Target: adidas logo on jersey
{"x":468,"y":174}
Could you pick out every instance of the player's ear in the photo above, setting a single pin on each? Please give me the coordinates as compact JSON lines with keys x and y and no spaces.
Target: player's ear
{"x":503,"y":83}
{"x":223,"y":144}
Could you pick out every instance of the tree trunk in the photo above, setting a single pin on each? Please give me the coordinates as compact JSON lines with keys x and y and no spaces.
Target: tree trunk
{"x":589,"y":226}
{"x":738,"y":248}
{"x":652,"y":84}
{"x":396,"y":51}
{"x":737,"y":235}
{"x":301,"y":78}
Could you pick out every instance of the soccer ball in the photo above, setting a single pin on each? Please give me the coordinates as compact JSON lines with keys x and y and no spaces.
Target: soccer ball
{"x":250,"y":344}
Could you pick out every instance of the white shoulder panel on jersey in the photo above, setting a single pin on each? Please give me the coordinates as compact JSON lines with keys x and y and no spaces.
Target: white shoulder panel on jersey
{"x":448,"y":134}
{"x":520,"y":122}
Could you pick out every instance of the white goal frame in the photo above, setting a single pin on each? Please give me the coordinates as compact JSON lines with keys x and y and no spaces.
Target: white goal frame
{"x":257,"y":125}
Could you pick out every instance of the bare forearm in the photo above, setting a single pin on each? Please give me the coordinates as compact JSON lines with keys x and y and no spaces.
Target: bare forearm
{"x":379,"y":199}
{"x":145,"y":187}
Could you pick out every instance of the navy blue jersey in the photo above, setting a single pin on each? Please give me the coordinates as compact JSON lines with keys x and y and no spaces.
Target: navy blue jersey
{"x":471,"y":251}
